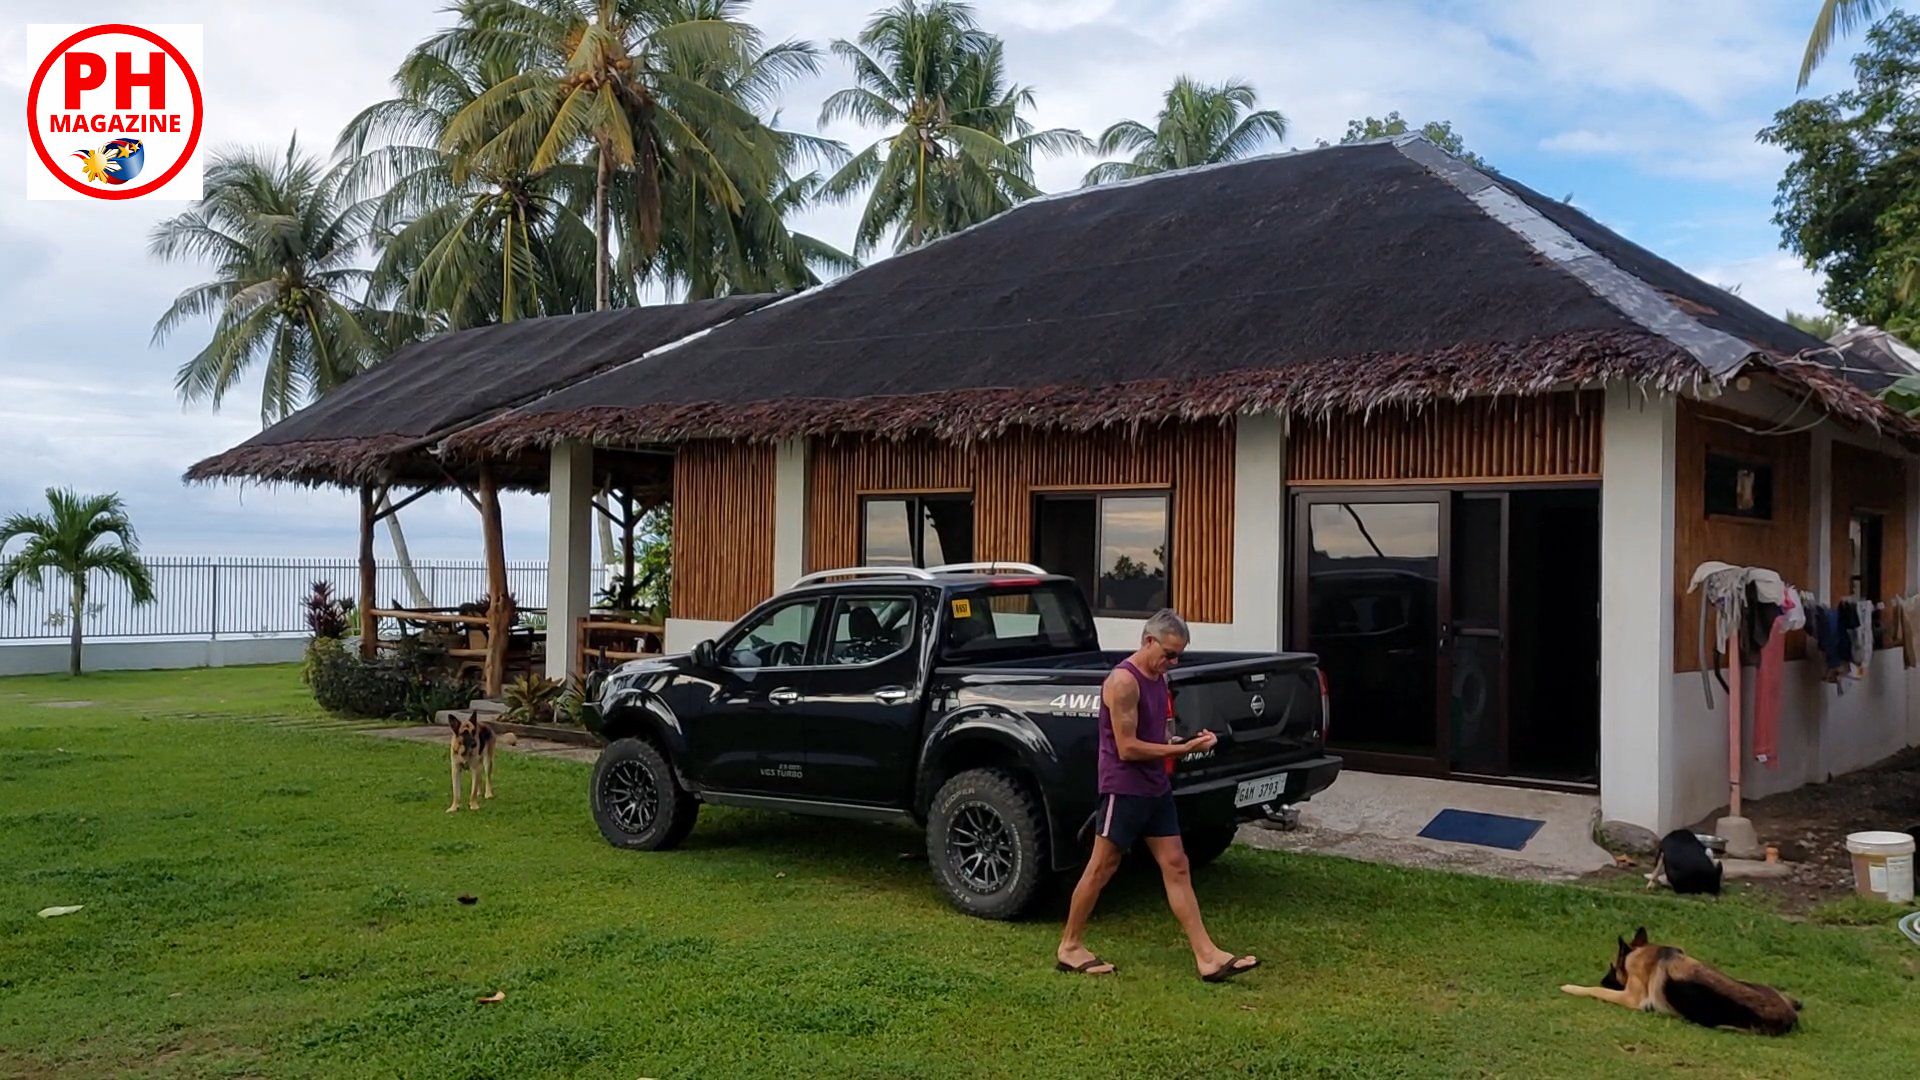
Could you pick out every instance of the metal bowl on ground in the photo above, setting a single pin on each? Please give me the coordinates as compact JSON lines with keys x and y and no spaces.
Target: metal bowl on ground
{"x":1715,"y":844}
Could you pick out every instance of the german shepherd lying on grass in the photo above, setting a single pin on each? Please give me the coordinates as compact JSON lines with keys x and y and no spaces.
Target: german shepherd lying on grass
{"x":1664,"y":979}
{"x":471,"y":748}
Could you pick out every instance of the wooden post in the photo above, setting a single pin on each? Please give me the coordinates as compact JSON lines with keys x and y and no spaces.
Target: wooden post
{"x":628,"y":519}
{"x":499,"y":607}
{"x":369,"y":626}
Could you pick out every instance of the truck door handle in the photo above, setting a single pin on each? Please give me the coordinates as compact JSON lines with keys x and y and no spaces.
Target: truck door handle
{"x":892,"y":695}
{"x":783,"y":696}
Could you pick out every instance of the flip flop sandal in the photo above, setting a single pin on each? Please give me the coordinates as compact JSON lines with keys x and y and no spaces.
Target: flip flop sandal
{"x":1228,"y":970}
{"x":1083,"y":968}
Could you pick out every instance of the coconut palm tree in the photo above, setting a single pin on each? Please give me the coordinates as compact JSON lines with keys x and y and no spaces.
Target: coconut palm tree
{"x":287,"y":292}
{"x":960,"y":150}
{"x":1197,"y":125}
{"x":464,"y":244}
{"x":73,"y":539}
{"x":609,"y":76}
{"x":1834,"y":18}
{"x":283,"y":241}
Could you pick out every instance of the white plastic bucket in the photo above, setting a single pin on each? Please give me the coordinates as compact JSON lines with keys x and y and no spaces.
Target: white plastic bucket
{"x":1882,"y":865}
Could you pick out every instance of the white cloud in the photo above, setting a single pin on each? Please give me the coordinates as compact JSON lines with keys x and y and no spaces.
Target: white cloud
{"x":1774,"y":282}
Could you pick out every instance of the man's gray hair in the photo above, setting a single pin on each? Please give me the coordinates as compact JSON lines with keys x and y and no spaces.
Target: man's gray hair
{"x":1163,"y":622}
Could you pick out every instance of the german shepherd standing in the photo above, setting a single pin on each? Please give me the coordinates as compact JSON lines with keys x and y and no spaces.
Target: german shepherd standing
{"x":1664,"y":979}
{"x":471,"y":748}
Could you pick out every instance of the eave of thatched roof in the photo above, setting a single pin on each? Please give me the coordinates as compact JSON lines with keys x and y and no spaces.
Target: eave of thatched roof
{"x":382,"y":426}
{"x":1346,"y":278}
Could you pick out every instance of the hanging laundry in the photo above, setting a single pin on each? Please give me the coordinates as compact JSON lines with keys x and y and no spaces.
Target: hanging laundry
{"x":1862,"y":634}
{"x":1721,"y":587}
{"x":1793,"y":607}
{"x":1907,"y":608}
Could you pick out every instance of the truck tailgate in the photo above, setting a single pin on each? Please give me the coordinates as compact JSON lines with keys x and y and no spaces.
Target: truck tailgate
{"x":1267,"y":711}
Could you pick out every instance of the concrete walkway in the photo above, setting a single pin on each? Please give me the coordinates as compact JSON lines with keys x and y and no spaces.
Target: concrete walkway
{"x":1377,"y":818}
{"x":434,"y":733}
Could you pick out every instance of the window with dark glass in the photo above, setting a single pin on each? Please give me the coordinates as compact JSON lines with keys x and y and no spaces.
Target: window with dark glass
{"x":1864,"y":536}
{"x":916,"y":530}
{"x":1116,"y":546}
{"x":1736,"y":487}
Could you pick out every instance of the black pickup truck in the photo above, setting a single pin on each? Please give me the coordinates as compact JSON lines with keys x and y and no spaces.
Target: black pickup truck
{"x":963,"y":700}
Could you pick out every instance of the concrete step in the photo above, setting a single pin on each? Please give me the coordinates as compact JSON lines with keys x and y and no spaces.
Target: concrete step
{"x":485,"y":706}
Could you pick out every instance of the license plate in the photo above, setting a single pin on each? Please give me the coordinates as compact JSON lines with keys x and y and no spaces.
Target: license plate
{"x":1264,"y":790}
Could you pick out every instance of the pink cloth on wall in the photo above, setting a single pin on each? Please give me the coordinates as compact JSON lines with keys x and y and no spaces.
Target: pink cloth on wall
{"x":1766,"y":696}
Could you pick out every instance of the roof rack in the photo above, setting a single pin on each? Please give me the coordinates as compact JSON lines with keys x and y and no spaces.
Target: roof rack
{"x":862,"y":572}
{"x":987,"y":568}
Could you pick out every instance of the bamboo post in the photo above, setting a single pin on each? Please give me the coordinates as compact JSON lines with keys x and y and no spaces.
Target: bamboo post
{"x":499,"y":607}
{"x":369,"y":625}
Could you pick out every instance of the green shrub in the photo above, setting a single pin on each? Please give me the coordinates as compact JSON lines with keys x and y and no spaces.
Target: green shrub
{"x":409,"y":684}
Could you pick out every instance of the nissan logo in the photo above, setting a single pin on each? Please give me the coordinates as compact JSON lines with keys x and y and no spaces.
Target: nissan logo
{"x":1258,"y":704}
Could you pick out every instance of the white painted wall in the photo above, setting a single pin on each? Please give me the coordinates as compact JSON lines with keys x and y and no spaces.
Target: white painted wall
{"x":1636,"y":610}
{"x":49,"y":659}
{"x":683,"y":634}
{"x":1259,"y":534}
{"x":789,"y":512}
{"x":569,"y":552}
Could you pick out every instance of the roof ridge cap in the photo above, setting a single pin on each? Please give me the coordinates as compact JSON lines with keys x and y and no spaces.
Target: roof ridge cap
{"x":1720,"y":353}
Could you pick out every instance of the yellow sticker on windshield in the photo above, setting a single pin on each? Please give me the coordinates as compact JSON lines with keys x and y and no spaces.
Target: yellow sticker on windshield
{"x":963,"y":609}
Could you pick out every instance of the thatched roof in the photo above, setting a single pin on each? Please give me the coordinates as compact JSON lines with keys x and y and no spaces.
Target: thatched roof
{"x":379,"y":427}
{"x":1348,"y":277}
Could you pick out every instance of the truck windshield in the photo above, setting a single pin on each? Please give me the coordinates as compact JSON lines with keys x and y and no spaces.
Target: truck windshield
{"x":1000,"y":621}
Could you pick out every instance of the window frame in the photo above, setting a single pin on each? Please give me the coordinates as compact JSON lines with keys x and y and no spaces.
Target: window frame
{"x":1098,"y":496}
{"x":723,"y":649}
{"x":917,"y":500}
{"x":911,"y":596}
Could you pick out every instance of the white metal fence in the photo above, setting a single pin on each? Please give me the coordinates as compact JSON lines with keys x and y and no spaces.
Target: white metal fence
{"x":199,"y":596}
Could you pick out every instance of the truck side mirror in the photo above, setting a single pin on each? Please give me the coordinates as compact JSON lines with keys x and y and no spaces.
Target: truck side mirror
{"x":703,"y":654}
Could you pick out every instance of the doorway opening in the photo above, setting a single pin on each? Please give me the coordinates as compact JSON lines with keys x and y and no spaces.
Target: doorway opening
{"x":1459,"y":627}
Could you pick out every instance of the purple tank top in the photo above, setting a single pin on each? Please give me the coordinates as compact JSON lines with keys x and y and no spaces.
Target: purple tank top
{"x":1136,"y":777}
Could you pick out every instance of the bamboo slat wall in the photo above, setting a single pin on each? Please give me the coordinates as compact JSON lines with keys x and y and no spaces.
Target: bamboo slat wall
{"x":1867,"y":481}
{"x":722,"y":528}
{"x":1781,"y":544}
{"x":1193,"y":461}
{"x":1550,"y":437}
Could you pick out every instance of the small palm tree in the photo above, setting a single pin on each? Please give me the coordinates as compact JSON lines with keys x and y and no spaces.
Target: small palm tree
{"x":283,"y":240}
{"x":67,"y":540}
{"x":1197,"y":125}
{"x":960,"y":151}
{"x":1834,"y":18}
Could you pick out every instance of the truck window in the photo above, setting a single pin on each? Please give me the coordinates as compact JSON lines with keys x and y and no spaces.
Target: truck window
{"x":778,"y":638}
{"x":870,"y":628}
{"x":1007,"y":620}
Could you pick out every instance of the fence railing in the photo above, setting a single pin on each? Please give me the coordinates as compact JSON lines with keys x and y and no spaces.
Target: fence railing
{"x":238,"y":596}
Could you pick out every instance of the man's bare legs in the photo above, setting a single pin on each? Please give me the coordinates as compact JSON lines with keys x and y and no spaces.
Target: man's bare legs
{"x":1177,"y":876}
{"x":1100,"y":868}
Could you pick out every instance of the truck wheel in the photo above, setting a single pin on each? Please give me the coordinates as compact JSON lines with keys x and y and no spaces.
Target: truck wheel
{"x":1205,"y":843}
{"x":637,"y":802}
{"x":987,"y":843}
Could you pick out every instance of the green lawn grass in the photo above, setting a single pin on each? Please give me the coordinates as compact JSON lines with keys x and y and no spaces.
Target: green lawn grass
{"x":269,"y":896}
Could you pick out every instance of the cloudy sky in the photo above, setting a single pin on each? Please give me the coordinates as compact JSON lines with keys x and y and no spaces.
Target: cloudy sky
{"x":1643,"y":110}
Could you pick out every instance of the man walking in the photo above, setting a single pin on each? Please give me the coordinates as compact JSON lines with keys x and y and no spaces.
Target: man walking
{"x":1136,"y":801}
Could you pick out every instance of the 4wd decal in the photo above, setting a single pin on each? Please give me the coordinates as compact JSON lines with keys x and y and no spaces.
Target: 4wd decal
{"x":1076,"y":703}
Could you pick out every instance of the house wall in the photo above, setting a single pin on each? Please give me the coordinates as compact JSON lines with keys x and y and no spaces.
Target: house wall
{"x":723,"y":529}
{"x":1194,"y":462}
{"x":1782,"y":543}
{"x":1822,"y":475}
{"x":1551,"y":437}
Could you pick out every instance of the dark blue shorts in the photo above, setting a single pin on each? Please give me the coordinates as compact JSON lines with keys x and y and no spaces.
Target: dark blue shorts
{"x":1126,"y":818}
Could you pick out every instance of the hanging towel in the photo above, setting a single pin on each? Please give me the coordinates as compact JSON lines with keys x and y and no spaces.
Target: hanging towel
{"x":1766,"y":696}
{"x":1862,"y":633}
{"x":1720,"y":590}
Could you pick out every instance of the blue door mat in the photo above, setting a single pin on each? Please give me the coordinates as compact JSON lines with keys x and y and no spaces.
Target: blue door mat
{"x":1487,"y":830}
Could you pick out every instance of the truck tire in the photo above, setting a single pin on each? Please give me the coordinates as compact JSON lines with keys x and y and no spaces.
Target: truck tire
{"x":1205,"y":843}
{"x":637,"y":801}
{"x":987,"y":843}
